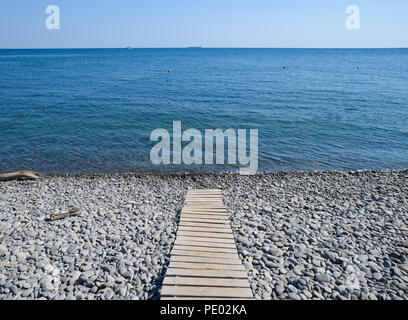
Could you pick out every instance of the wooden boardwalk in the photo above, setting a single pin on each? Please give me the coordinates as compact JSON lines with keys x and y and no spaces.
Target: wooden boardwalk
{"x":204,"y":262}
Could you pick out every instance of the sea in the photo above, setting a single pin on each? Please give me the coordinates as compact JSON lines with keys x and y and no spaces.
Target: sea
{"x":93,"y":110}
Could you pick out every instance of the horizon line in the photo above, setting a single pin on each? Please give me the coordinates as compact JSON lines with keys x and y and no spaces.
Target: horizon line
{"x":200,"y":47}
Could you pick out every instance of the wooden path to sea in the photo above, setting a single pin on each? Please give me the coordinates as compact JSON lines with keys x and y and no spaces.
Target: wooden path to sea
{"x":204,"y":262}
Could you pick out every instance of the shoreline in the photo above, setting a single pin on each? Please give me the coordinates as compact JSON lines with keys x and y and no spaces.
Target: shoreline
{"x":159,"y":173}
{"x":301,"y":235}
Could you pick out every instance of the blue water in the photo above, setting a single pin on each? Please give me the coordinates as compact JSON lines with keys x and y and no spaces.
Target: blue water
{"x":320,"y":113}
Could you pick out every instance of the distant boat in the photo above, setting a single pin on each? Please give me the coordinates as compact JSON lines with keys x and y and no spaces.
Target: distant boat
{"x":194,"y":47}
{"x":129,"y":48}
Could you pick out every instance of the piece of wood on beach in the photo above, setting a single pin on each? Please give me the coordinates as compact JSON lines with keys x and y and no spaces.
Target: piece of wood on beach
{"x":180,"y":272}
{"x":224,"y":227}
{"x":203,"y":249}
{"x":18,"y":175}
{"x":204,"y":262}
{"x":205,"y":234}
{"x":206,"y":291}
{"x":203,"y":298}
{"x":206,"y":239}
{"x":198,"y":253}
{"x":206,"y":266}
{"x":208,"y":244}
{"x":201,"y":209}
{"x":198,"y":259}
{"x":217,"y":282}
{"x":207,"y":217}
{"x":204,"y":229}
{"x":204,"y":220}
{"x":64,"y":214}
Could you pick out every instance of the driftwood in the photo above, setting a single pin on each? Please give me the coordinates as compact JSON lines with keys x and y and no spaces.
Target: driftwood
{"x":24,"y":174}
{"x":64,"y":214}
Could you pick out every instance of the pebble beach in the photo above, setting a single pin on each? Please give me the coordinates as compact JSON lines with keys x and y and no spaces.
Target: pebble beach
{"x":300,"y":235}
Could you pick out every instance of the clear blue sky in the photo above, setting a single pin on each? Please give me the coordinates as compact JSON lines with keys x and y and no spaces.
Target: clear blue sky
{"x":207,"y":23}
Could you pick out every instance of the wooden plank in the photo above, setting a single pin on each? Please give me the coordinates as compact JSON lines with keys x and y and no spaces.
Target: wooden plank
{"x":205,"y":229}
{"x":206,"y":273}
{"x":214,"y":221}
{"x":217,"y":202}
{"x":208,"y":282}
{"x":204,"y":191}
{"x":201,"y":207}
{"x":205,"y":220}
{"x":199,"y":195}
{"x":209,"y":218}
{"x":204,"y":239}
{"x":205,"y":225}
{"x":204,"y":298}
{"x":204,"y":208}
{"x":205,"y":244}
{"x":205,"y":212}
{"x":180,"y":291}
{"x":208,"y":212}
{"x":206,"y":217}
{"x":203,"y":249}
{"x":181,"y":252}
{"x":206,"y":266}
{"x":207,"y":202}
{"x":195,"y":259}
{"x":204,"y":196}
{"x":204,"y":234}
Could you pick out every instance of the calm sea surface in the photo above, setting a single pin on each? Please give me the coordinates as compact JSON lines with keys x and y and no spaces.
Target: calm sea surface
{"x":322,"y":112}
